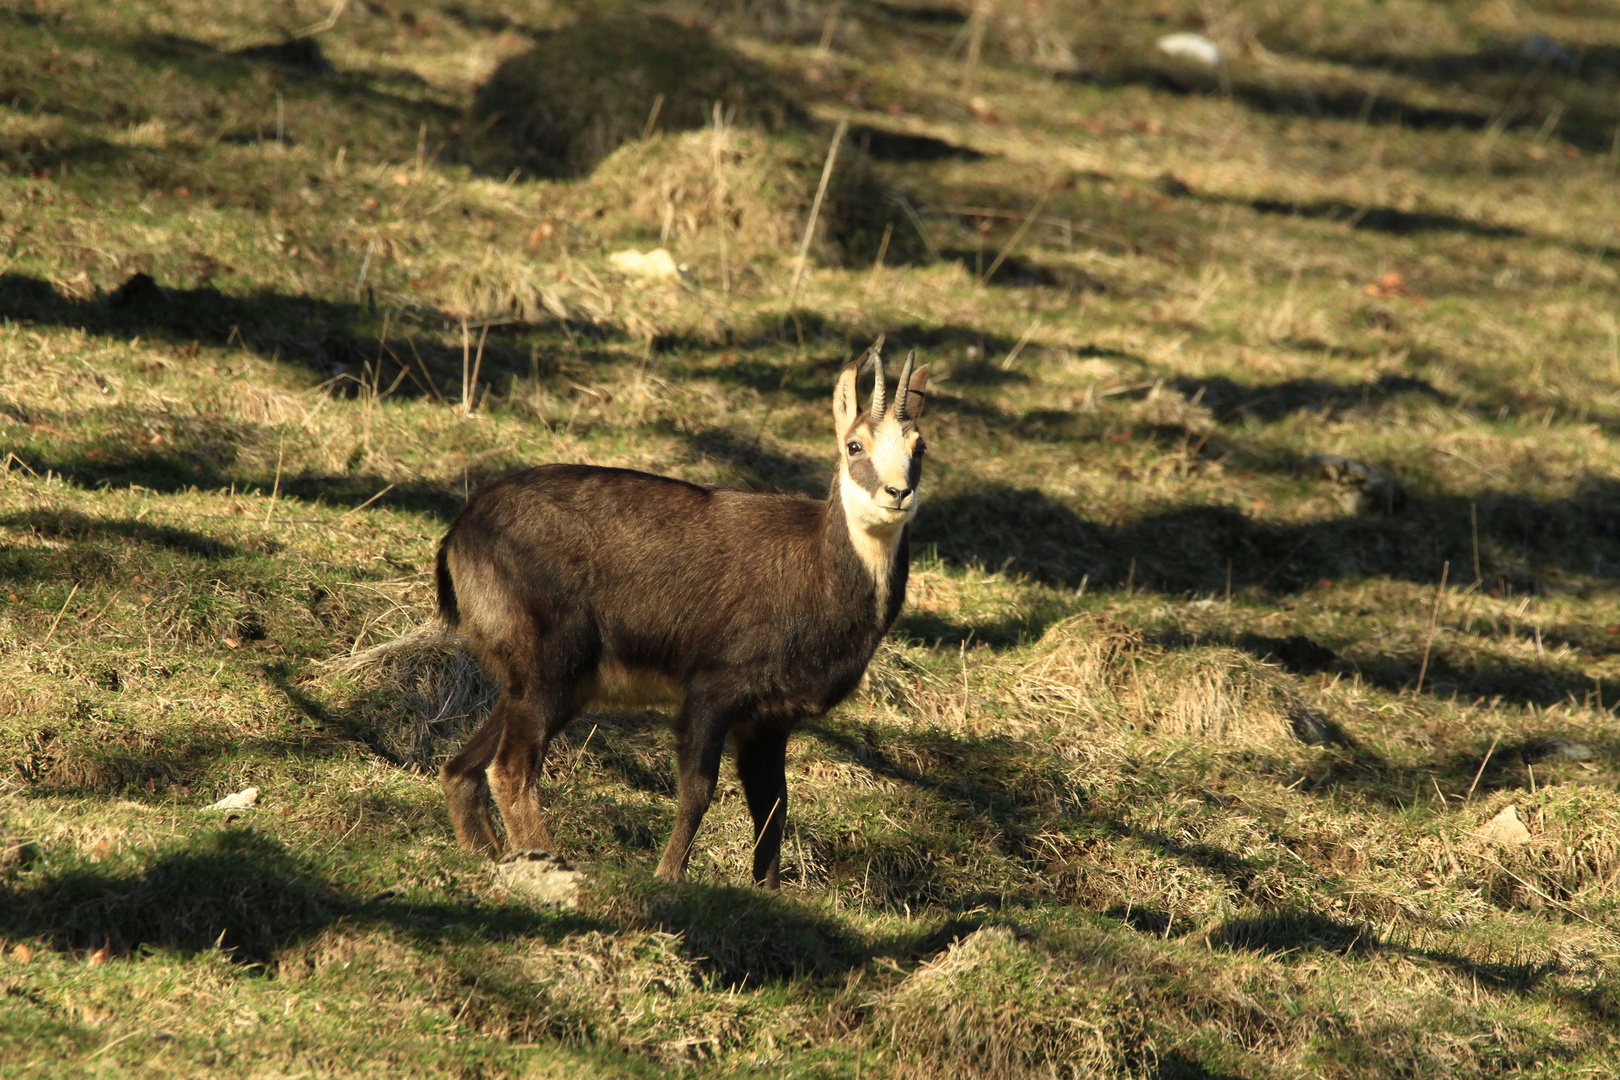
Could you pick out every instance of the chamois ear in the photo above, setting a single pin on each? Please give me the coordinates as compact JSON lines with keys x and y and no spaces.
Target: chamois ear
{"x":846,"y":405}
{"x":916,"y":393}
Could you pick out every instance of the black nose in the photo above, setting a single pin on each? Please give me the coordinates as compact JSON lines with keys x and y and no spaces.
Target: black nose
{"x":899,"y":494}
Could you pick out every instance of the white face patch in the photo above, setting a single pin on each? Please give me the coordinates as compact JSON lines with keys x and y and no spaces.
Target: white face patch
{"x":880,"y":467}
{"x":879,"y":504}
{"x":874,"y":531}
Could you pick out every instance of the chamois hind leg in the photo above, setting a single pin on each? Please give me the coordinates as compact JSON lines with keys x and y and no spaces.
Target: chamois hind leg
{"x":700,"y":732}
{"x":466,"y":788}
{"x":762,"y":768}
{"x":527,"y":728}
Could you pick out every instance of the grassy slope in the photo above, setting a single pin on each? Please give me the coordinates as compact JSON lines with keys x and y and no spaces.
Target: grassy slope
{"x":1167,"y":836}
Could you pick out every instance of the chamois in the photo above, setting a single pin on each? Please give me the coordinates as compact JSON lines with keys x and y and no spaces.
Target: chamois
{"x":751,"y":612}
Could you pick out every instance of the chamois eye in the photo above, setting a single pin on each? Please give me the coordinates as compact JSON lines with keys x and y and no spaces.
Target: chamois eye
{"x":855,"y":448}
{"x":918,"y":449}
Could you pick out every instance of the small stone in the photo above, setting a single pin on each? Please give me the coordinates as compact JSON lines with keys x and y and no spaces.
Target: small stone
{"x":1505,"y":828}
{"x":1193,"y":48}
{"x":540,"y":877}
{"x":241,"y":800}
{"x":655,"y":265}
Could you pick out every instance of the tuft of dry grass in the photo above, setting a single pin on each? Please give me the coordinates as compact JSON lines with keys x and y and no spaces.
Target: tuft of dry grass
{"x":445,"y":694}
{"x":506,"y":285}
{"x":604,"y":80}
{"x":994,"y":1006}
{"x":1093,"y":677}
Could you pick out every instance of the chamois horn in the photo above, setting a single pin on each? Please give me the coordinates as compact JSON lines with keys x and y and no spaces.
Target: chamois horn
{"x":878,"y":392}
{"x":901,"y":388}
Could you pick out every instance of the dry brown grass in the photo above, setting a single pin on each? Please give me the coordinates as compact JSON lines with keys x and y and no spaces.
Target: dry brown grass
{"x":1142,"y":785}
{"x":1092,"y":678}
{"x":994,"y":1006}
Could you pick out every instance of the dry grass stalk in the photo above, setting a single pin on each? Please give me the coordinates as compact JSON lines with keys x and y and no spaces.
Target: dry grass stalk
{"x":815,"y":209}
{"x":1428,"y":635}
{"x":1018,"y":236}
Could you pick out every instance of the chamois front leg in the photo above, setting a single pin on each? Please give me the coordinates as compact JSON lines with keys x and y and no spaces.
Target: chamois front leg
{"x":466,"y":788}
{"x":701,"y":732}
{"x":514,"y":775}
{"x":762,"y":768}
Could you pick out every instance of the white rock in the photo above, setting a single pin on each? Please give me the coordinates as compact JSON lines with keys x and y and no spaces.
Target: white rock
{"x":1505,"y":828}
{"x":654,"y":265}
{"x":242,"y":800}
{"x":1194,"y":48}
{"x":541,"y":878}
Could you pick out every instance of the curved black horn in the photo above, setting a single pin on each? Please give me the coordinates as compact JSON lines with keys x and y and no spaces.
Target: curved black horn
{"x":878,"y":391}
{"x":901,"y":386}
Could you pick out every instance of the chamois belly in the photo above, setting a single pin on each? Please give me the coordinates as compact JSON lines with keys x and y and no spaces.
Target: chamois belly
{"x":616,"y":686}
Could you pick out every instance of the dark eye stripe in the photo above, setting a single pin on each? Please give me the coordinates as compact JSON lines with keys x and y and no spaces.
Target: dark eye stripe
{"x":864,"y":473}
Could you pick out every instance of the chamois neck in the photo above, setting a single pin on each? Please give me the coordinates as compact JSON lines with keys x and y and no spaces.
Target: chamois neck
{"x":874,"y":548}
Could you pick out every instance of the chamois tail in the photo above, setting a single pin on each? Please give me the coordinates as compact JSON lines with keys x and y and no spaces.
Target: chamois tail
{"x":449,"y":611}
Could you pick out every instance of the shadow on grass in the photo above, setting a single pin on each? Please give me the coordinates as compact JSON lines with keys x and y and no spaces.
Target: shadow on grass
{"x":1284,"y":933}
{"x":1001,"y":806}
{"x":898,"y":146}
{"x":1514,"y":86}
{"x":754,"y":466}
{"x":234,"y":889}
{"x":1176,"y":1065}
{"x":1188,"y":549}
{"x":345,"y":727}
{"x":840,"y":341}
{"x":174,"y":472}
{"x":72,"y":525}
{"x":324,"y":336}
{"x":1360,"y":772}
{"x":1384,"y":219}
{"x":999,"y":791}
{"x":245,"y":892}
{"x":1018,"y":271}
{"x":133,"y":764}
{"x":1584,"y":123}
{"x":191,"y":70}
{"x":1228,"y":399}
{"x":1523,"y":79}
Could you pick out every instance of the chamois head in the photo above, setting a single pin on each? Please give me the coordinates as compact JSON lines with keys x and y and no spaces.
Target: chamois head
{"x":880,"y":450}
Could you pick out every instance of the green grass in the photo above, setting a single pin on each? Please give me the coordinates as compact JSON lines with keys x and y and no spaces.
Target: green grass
{"x":1174,"y":766}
